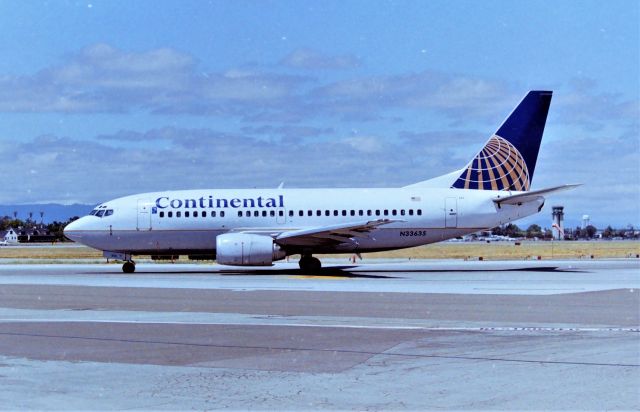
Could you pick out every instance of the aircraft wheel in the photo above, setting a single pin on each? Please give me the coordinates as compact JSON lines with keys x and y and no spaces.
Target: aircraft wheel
{"x":129,"y":267}
{"x":310,"y":264}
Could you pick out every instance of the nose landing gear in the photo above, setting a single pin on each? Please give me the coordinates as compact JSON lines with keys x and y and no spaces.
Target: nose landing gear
{"x":129,"y":266}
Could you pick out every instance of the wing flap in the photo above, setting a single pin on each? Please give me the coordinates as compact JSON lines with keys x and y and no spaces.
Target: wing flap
{"x":340,"y":233}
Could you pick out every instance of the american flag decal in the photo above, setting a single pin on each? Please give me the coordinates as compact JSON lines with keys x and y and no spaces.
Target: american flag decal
{"x":498,"y":166}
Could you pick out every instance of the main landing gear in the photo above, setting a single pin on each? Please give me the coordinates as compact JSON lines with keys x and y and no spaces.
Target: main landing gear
{"x":129,"y":266}
{"x":310,"y":264}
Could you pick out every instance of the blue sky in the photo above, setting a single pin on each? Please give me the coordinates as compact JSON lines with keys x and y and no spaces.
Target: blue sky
{"x":100,"y":99}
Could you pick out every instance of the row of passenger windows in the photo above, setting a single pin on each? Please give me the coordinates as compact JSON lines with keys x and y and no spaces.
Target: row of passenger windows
{"x":189,"y":214}
{"x":360,"y":212}
{"x":318,"y":212}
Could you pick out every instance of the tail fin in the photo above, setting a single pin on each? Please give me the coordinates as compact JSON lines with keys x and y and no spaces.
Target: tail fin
{"x":508,"y":160}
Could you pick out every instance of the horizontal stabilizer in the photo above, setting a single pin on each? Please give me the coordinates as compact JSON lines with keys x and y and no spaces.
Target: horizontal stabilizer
{"x":530,"y":195}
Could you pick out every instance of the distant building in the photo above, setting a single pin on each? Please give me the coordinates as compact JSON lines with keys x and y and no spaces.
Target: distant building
{"x":35,"y":234}
{"x":557,"y":228}
{"x":9,"y":236}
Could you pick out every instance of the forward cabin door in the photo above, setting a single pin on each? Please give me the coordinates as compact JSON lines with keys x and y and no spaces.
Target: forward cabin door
{"x":145,"y":208}
{"x":450,"y":212}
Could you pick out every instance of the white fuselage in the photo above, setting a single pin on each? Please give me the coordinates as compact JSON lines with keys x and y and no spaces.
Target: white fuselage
{"x":188,"y":221}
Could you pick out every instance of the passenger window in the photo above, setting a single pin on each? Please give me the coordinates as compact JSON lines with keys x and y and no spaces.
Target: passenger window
{"x":353,"y":213}
{"x":161,"y":214}
{"x":368,"y":212}
{"x":280,"y":213}
{"x":256,"y":213}
{"x":410,"y":212}
{"x":213,"y":214}
{"x":222,"y":214}
{"x":394,"y":212}
{"x":419,"y":212}
{"x":290,"y":213}
{"x":301,"y":213}
{"x":186,"y":214}
{"x":178,"y":214}
{"x":264,"y":213}
{"x":239,"y":213}
{"x":402,"y":212}
{"x":318,"y":213}
{"x":386,"y":212}
{"x":195,"y":213}
{"x":360,"y":212}
{"x":344,"y":212}
{"x":272,"y":213}
{"x":328,"y":213}
{"x":169,"y":214}
{"x":204,"y":213}
{"x":377,"y":213}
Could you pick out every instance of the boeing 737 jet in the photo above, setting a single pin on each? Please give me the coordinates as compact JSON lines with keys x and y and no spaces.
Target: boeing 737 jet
{"x":255,"y":227}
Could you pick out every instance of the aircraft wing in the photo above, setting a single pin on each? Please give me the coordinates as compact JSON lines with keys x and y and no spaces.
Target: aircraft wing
{"x":531,"y":195}
{"x":332,"y":234}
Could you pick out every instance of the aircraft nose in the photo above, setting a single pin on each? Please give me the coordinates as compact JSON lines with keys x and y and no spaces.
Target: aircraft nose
{"x":74,"y":230}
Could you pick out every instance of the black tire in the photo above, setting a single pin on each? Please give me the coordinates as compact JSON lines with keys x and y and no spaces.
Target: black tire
{"x":315,"y":265}
{"x":128,"y":267}
{"x":310,"y":264}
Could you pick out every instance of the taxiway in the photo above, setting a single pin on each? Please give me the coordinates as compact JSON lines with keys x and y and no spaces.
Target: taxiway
{"x":389,"y":335}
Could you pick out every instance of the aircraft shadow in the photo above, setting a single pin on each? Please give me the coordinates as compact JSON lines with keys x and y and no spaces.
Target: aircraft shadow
{"x":332,"y":271}
{"x":347,"y":271}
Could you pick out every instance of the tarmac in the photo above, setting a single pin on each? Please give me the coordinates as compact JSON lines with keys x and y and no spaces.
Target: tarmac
{"x":385,"y":335}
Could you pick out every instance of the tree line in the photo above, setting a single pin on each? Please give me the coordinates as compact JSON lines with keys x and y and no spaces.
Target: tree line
{"x":589,"y":232}
{"x":55,"y":228}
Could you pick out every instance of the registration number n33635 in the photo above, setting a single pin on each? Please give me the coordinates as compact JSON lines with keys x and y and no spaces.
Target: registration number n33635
{"x":413,"y":233}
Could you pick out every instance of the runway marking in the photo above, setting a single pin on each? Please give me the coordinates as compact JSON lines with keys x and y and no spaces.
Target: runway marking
{"x":336,"y":325}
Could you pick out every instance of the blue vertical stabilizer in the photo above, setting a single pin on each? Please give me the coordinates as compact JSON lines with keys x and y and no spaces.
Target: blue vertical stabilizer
{"x":508,"y":160}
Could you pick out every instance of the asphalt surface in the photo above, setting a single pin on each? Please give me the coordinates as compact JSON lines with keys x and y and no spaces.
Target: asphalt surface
{"x":384,"y":336}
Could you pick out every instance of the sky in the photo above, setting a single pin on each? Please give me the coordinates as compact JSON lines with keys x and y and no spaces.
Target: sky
{"x":101,"y":99}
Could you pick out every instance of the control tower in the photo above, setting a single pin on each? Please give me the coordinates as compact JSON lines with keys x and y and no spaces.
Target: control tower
{"x":557,"y":226}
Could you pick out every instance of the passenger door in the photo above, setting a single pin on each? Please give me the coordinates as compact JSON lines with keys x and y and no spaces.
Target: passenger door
{"x":451,"y":212}
{"x":145,"y":208}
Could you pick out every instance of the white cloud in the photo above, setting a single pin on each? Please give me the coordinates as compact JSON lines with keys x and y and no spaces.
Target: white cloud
{"x":315,"y":60}
{"x":101,"y":78}
{"x":90,"y":171}
{"x":458,"y":97}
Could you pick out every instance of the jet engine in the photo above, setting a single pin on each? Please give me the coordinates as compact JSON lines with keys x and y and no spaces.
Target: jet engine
{"x":243,"y":249}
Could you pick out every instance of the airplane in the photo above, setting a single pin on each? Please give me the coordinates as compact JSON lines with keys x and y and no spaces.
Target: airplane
{"x":256,"y":227}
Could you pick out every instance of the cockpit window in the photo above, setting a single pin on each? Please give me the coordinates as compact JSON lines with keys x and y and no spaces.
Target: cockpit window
{"x":101,"y":211}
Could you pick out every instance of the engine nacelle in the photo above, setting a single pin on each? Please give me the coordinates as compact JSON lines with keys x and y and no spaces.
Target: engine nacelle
{"x":243,"y":249}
